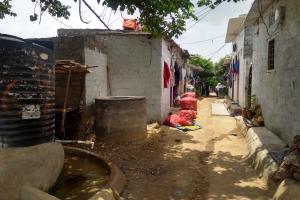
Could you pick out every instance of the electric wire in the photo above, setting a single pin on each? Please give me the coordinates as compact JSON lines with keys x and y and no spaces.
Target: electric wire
{"x":215,"y":52}
{"x":200,"y":41}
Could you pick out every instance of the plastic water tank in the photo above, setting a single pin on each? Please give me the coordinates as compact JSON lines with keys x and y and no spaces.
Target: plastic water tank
{"x":27,"y":96}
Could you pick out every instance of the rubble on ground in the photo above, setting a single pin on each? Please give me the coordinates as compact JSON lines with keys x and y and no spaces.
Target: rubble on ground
{"x":290,"y":167}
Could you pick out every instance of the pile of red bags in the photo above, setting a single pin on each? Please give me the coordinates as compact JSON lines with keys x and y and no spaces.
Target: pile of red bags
{"x":187,"y":113}
{"x":189,"y":94}
{"x":188,"y":103}
{"x":172,"y":120}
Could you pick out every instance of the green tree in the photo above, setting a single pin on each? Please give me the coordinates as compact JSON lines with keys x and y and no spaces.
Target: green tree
{"x":214,"y":72}
{"x":160,"y":17}
{"x":205,"y":63}
{"x":213,"y":3}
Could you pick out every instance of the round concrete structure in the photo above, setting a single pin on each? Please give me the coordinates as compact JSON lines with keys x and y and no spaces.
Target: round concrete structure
{"x":121,"y":118}
{"x":110,"y":191}
{"x":36,"y":166}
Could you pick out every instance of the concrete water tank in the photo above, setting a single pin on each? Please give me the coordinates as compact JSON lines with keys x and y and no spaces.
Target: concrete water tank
{"x":26,"y":93}
{"x":121,"y":118}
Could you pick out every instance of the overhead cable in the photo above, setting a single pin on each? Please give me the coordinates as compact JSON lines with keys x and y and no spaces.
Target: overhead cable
{"x":200,"y":41}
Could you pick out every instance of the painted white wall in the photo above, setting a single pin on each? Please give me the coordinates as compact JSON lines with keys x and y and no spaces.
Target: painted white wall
{"x":166,"y":92}
{"x":135,"y":66}
{"x":135,"y":69}
{"x":278,"y":90}
{"x":98,"y":75}
{"x":241,"y":79}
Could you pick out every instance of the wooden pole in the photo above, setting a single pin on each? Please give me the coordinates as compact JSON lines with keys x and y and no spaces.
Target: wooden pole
{"x":65,"y":102}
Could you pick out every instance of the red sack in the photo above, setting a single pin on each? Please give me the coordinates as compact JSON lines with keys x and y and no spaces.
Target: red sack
{"x":129,"y":24}
{"x":183,"y":121}
{"x":172,"y":120}
{"x":188,"y":103}
{"x":188,"y":114}
{"x":189,"y":94}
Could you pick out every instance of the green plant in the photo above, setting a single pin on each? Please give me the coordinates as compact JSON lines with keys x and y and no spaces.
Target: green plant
{"x":159,"y":17}
{"x":253,"y":103}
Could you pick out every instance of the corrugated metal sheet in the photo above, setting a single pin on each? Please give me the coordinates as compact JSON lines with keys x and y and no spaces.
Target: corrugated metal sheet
{"x":27,"y":96}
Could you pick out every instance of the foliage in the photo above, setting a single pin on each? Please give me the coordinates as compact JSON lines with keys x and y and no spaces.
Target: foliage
{"x":214,"y":72}
{"x":5,"y":9}
{"x":214,"y":3}
{"x":205,"y":63}
{"x":159,"y":17}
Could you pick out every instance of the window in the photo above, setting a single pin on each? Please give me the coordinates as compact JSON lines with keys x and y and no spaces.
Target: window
{"x":271,"y":54}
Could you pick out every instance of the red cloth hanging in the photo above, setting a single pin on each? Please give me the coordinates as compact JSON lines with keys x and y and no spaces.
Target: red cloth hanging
{"x":167,"y":75}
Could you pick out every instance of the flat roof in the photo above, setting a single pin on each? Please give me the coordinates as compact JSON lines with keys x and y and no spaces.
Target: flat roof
{"x":235,"y":25}
{"x":62,"y":31}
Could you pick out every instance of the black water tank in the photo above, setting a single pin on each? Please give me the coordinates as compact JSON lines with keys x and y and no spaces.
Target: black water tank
{"x":27,"y":96}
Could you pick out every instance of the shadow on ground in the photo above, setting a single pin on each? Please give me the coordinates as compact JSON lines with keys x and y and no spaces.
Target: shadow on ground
{"x":172,"y":165}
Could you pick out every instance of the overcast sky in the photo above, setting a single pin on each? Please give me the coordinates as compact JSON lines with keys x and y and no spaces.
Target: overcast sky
{"x":212,"y":25}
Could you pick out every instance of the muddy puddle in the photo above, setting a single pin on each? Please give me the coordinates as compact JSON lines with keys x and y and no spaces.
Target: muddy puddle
{"x":80,"y":179}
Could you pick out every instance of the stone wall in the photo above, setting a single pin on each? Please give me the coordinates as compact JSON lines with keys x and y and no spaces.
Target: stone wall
{"x":278,"y":90}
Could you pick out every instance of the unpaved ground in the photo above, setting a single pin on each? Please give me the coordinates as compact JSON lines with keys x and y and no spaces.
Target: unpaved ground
{"x":204,"y":164}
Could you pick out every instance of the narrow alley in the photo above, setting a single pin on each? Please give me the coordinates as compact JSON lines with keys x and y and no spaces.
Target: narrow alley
{"x":203,"y":164}
{"x":149,"y":100}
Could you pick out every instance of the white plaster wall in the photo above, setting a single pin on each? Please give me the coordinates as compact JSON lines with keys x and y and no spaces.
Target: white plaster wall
{"x":135,"y":69}
{"x":96,"y":81}
{"x":230,"y":92}
{"x":278,"y":91}
{"x":235,"y":94}
{"x":134,"y":65}
{"x":241,"y":80}
{"x":165,"y":100}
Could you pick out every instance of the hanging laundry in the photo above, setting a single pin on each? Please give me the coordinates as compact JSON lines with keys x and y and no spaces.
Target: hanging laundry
{"x":236,"y":65}
{"x":177,"y":74}
{"x":167,"y":75}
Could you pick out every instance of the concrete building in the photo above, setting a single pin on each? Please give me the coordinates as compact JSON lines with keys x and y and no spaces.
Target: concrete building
{"x":238,"y":80}
{"x":276,"y":68}
{"x":135,"y":65}
{"x":83,"y":87}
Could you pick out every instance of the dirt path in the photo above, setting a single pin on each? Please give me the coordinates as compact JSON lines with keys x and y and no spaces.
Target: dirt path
{"x":204,"y":164}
